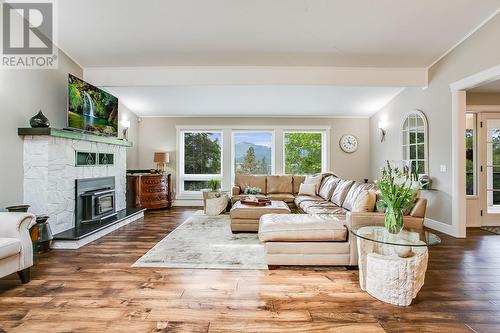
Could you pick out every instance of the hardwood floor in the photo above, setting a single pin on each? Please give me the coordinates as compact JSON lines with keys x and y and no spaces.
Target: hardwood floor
{"x":94,"y":289}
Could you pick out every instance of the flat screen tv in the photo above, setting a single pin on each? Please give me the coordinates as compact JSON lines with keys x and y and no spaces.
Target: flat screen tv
{"x":91,"y":109}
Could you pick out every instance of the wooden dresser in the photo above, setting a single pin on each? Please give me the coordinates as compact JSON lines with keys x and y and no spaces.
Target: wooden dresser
{"x":152,"y":191}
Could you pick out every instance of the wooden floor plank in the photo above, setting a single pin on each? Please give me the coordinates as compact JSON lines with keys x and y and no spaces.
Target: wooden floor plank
{"x":95,"y":289}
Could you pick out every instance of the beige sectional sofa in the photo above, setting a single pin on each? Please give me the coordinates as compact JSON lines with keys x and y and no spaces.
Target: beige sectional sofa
{"x":283,"y":188}
{"x":320,"y":234}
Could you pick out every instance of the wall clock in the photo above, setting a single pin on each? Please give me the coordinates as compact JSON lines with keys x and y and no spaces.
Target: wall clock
{"x":348,"y":143}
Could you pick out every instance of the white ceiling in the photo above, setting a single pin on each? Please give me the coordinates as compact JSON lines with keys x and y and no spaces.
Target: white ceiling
{"x":492,"y":87}
{"x":387,"y":33}
{"x":287,"y":101}
{"x":341,"y":33}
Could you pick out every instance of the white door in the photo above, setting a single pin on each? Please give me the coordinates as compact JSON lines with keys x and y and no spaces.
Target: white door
{"x":489,"y":170}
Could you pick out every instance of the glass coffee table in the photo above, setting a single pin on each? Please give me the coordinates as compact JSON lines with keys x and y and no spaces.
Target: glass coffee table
{"x":392,"y":267}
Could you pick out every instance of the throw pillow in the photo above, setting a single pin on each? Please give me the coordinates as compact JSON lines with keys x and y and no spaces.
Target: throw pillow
{"x":380,"y":206}
{"x":307,"y":189}
{"x":314,"y":179}
{"x":365,"y":202}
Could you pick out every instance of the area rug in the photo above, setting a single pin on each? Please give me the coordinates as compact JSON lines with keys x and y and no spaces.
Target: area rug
{"x":495,"y":230}
{"x":206,"y":242}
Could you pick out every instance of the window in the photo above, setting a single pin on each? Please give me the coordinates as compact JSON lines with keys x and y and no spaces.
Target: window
{"x":470,"y":154}
{"x":415,"y":142}
{"x":201,"y":159}
{"x":304,"y":152}
{"x":253,"y":152}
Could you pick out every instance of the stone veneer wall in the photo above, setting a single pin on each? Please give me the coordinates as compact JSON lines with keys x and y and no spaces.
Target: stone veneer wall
{"x":50,"y":173}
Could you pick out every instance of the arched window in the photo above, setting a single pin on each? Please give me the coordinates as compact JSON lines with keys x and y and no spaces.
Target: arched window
{"x":414,"y":132}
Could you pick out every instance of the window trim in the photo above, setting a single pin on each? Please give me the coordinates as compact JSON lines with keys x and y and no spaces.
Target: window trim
{"x":325,"y":151}
{"x":426,"y":138}
{"x":233,"y":152}
{"x":181,"y":176}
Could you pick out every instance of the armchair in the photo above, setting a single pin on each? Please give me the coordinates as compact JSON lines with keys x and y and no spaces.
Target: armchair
{"x":16,"y":249}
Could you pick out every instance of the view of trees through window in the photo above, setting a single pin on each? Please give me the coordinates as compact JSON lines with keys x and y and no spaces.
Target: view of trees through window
{"x":202,"y":156}
{"x":253,"y":153}
{"x":303,"y":152}
{"x":493,"y":164}
{"x":414,"y":130}
{"x":470,"y":176}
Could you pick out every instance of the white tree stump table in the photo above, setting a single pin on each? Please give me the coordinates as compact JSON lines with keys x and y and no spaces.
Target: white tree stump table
{"x":392,"y":267}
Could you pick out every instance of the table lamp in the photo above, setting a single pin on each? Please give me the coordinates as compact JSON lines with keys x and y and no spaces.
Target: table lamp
{"x":161,"y":159}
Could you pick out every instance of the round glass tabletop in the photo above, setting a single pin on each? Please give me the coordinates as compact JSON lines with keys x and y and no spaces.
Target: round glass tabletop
{"x":407,"y":237}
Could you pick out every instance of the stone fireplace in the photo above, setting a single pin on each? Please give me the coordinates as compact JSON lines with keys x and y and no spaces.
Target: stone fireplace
{"x":51,"y":174}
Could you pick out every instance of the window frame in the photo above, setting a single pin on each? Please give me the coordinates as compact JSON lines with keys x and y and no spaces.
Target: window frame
{"x":181,"y":177}
{"x":233,"y":152}
{"x":405,"y":135}
{"x":325,"y":158}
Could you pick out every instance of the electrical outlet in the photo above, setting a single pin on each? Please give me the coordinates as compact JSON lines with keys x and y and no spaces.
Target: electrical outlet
{"x":442,"y":168}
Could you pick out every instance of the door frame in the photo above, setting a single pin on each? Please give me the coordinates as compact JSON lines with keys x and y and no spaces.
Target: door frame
{"x":458,"y":111}
{"x":483,"y":118}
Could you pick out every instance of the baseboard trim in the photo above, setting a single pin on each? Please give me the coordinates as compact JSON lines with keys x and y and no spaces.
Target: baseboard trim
{"x":440,"y":226}
{"x":188,"y":203}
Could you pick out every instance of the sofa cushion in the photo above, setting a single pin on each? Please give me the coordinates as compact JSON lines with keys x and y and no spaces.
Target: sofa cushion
{"x":355,"y":190}
{"x":329,"y":210}
{"x":307,"y":189}
{"x":314,"y":179}
{"x":327,"y":187}
{"x":419,"y":209}
{"x":279,"y":184}
{"x":286,"y":197}
{"x":302,"y":198}
{"x":297,"y":180}
{"x":300,"y":227}
{"x":9,"y":247}
{"x":305,"y":205}
{"x":341,"y":191}
{"x":365,"y":202}
{"x":244,"y":181}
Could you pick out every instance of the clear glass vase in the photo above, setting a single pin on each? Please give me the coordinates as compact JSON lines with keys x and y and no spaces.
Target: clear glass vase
{"x":393,"y":220}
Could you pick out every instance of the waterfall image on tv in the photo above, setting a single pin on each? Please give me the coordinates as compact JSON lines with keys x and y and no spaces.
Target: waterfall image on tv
{"x":91,"y":109}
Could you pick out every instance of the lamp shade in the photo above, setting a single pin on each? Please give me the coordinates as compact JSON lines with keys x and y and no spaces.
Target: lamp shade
{"x":161,"y":157}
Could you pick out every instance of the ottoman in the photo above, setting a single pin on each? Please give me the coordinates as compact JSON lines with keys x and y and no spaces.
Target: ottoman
{"x":246,"y":217}
{"x":305,"y":240}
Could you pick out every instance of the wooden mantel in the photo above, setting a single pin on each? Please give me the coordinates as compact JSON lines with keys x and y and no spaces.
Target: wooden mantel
{"x":72,"y":135}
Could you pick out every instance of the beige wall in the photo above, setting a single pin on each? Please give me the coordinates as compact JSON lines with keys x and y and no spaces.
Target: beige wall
{"x":22,"y":94}
{"x":477,"y":53}
{"x":160,"y":134}
{"x":483,"y":98}
{"x":133,"y":135}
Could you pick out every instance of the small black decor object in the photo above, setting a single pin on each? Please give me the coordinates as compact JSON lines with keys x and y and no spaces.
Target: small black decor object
{"x":39,"y":120}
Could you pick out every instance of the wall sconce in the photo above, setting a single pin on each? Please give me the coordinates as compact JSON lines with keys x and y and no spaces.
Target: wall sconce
{"x":125,"y":127}
{"x":381,"y":127}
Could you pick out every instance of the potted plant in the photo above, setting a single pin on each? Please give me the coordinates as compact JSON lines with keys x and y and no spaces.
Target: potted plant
{"x":214,"y":184}
{"x":398,"y":194}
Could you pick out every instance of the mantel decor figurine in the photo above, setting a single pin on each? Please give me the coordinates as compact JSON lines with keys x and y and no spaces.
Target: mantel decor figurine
{"x":39,"y":120}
